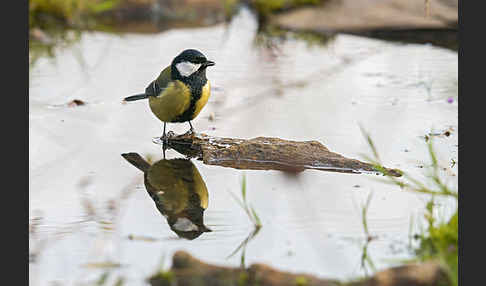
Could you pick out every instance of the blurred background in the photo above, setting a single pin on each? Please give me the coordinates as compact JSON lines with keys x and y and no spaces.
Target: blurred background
{"x":293,"y":69}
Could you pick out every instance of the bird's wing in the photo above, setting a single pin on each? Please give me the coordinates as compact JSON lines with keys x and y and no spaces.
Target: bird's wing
{"x":160,"y":84}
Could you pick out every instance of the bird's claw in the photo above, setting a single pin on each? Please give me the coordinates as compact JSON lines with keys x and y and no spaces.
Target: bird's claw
{"x":190,"y":132}
{"x":165,"y":137}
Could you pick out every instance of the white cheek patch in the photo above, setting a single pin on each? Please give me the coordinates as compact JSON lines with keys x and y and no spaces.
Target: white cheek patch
{"x":187,"y":68}
{"x":183,"y":224}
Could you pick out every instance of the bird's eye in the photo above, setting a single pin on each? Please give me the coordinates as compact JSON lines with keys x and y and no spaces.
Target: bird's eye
{"x":200,"y":60}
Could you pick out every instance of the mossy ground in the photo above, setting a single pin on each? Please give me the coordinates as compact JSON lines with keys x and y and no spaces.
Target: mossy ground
{"x":46,"y":14}
{"x":269,"y":6}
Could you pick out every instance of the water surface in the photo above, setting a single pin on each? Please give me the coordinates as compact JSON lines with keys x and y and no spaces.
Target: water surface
{"x":285,"y":88}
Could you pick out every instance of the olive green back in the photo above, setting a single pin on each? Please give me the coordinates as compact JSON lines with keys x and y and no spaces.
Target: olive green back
{"x":164,"y":78}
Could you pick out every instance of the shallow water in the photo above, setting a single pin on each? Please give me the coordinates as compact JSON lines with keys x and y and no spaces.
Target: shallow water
{"x":286,"y":89}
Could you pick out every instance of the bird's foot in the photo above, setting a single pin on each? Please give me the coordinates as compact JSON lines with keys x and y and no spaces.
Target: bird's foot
{"x":165,"y":137}
{"x":190,"y":132}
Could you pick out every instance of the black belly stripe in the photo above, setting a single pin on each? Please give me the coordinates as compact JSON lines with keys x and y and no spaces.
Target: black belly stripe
{"x":196,"y":86}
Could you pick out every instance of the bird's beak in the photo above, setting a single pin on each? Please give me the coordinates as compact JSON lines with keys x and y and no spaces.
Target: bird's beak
{"x":205,"y":229}
{"x":209,"y":63}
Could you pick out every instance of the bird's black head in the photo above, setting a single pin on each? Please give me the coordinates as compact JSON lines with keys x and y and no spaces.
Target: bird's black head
{"x":189,"y":223}
{"x":190,"y":63}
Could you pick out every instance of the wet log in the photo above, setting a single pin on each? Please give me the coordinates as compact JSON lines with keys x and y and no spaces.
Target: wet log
{"x":187,"y":270}
{"x":263,"y":153}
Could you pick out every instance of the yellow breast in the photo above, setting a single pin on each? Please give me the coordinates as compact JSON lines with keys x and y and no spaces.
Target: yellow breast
{"x":205,"y":93}
{"x":172,"y":102}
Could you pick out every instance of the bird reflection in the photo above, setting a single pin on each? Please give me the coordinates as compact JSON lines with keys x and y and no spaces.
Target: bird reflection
{"x":178,"y":191}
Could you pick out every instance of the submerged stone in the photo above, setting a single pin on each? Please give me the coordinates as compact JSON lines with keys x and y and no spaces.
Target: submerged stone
{"x":416,"y":21}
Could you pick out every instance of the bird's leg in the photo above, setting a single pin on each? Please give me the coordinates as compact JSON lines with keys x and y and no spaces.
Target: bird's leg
{"x":191,"y":130}
{"x":164,"y":136}
{"x":164,"y":147}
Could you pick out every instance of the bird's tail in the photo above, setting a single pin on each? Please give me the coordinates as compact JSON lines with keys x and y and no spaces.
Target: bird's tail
{"x":136,"y":97}
{"x":137,"y":161}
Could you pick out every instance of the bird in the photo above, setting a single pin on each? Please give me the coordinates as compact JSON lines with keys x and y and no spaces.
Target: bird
{"x":181,"y":90}
{"x":179,"y":193}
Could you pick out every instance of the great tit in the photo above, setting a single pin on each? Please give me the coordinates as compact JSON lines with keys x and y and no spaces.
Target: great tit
{"x":178,"y":191}
{"x":181,"y":90}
